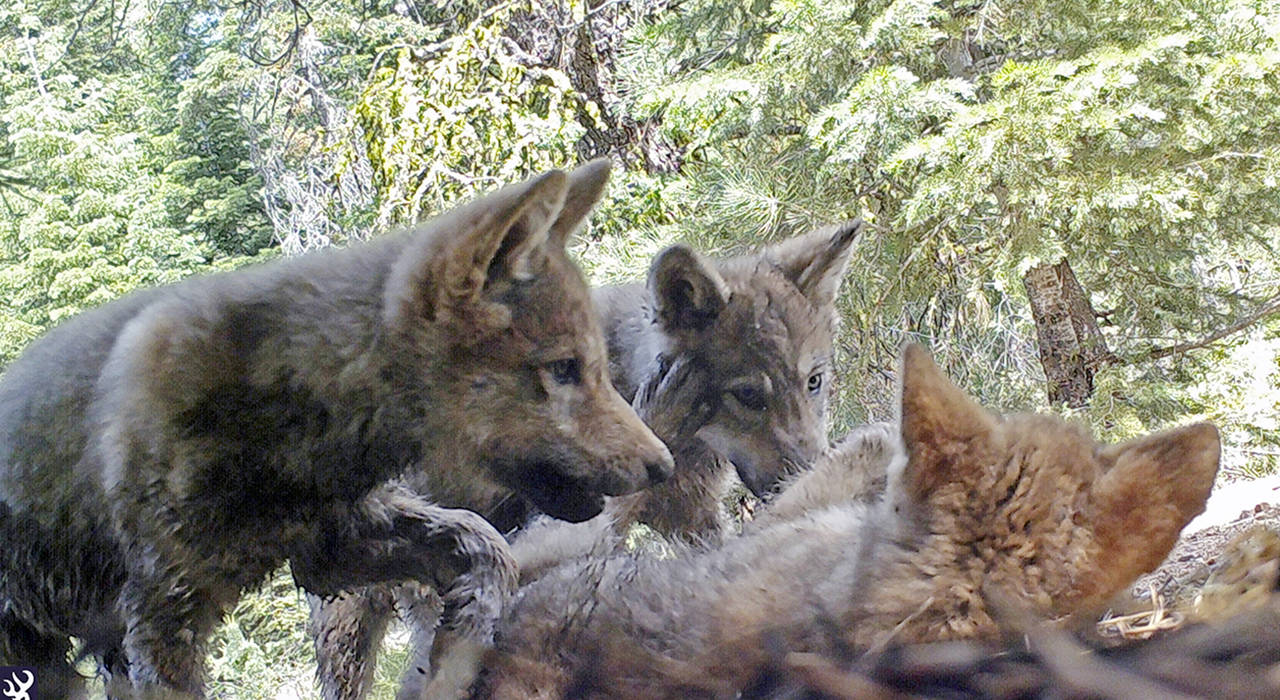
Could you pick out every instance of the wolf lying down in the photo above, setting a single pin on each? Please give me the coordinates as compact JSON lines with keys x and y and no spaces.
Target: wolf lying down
{"x":761,"y":325}
{"x":1024,"y":507}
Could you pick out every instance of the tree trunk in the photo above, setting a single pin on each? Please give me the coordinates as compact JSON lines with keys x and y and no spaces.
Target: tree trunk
{"x":1071,"y":345}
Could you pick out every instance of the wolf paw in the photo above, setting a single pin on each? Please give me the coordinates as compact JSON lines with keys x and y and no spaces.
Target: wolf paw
{"x":456,"y":668}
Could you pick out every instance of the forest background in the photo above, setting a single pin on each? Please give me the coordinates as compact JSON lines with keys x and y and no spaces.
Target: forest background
{"x":1075,"y":204}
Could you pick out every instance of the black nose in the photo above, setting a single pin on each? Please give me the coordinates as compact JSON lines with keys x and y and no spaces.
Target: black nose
{"x":759,"y":483}
{"x":659,"y":471}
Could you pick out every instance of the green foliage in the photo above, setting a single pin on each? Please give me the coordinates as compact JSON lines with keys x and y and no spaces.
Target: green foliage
{"x":462,"y":116}
{"x":261,"y":648}
{"x":124,"y":178}
{"x":215,"y":189}
{"x":91,"y":224}
{"x":634,"y":220}
{"x":1138,"y":140}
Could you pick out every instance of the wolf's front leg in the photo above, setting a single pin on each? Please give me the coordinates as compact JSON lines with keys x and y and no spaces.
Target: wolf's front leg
{"x":420,"y":608}
{"x":676,"y":401}
{"x":171,"y":598}
{"x":23,"y":644}
{"x":394,"y":535}
{"x":168,"y":621}
{"x":347,"y":630}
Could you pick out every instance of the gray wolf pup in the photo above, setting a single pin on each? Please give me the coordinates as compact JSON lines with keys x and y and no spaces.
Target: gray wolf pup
{"x":163,"y":453}
{"x":761,"y":328}
{"x":1024,"y":505}
{"x":758,"y":328}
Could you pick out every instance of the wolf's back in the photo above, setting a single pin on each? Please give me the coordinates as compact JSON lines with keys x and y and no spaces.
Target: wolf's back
{"x":55,"y":518}
{"x":45,"y":394}
{"x":47,"y":487}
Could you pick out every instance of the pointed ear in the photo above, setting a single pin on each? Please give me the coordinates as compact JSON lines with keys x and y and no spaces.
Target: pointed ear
{"x":1155,"y":486}
{"x":449,"y":261}
{"x":586,"y":184}
{"x":687,"y":292}
{"x":815,"y":262}
{"x":941,"y":426}
{"x":515,"y":244}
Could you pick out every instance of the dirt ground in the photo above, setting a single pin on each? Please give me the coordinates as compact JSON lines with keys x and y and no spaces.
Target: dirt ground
{"x":1238,"y":558}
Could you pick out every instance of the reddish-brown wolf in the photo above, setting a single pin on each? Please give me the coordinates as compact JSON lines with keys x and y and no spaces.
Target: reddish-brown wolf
{"x":1024,"y":506}
{"x":167,"y":451}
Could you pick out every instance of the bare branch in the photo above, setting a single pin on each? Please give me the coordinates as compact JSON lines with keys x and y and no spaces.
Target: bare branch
{"x":1263,"y":312}
{"x":589,"y":14}
{"x":75,"y":33}
{"x":301,"y":20}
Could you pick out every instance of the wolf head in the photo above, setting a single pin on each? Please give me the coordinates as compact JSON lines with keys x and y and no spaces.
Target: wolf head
{"x":504,"y":330}
{"x":762,"y":326}
{"x":1026,"y":507}
{"x":1030,"y":506}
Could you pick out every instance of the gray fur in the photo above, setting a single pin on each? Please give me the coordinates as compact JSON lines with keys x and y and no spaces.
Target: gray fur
{"x":864,"y":454}
{"x":762,"y":322}
{"x":1027,"y":507}
{"x":764,"y":319}
{"x":165,"y":452}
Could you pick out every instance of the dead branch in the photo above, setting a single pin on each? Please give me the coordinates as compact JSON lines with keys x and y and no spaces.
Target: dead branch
{"x":1263,"y":312}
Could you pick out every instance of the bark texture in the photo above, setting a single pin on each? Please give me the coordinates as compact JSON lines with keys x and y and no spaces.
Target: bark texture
{"x":1071,"y":345}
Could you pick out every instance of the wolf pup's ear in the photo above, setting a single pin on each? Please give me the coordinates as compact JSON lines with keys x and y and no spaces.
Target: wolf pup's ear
{"x":687,"y":293}
{"x":941,"y":426}
{"x":511,"y":240}
{"x":1155,"y":486}
{"x":447,"y":266}
{"x":586,"y":184}
{"x":815,"y":262}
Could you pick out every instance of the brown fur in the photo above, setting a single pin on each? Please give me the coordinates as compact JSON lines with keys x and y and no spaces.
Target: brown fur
{"x":760,"y":326}
{"x":762,"y":322}
{"x":166,"y":451}
{"x":1025,"y":507}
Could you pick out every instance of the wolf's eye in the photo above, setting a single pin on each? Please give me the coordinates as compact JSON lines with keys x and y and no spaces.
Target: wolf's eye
{"x":815,"y":382}
{"x":566,"y":371}
{"x":750,"y":396}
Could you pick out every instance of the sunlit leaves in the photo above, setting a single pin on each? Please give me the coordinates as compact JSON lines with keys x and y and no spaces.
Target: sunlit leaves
{"x":460,"y":117}
{"x":1137,"y":139}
